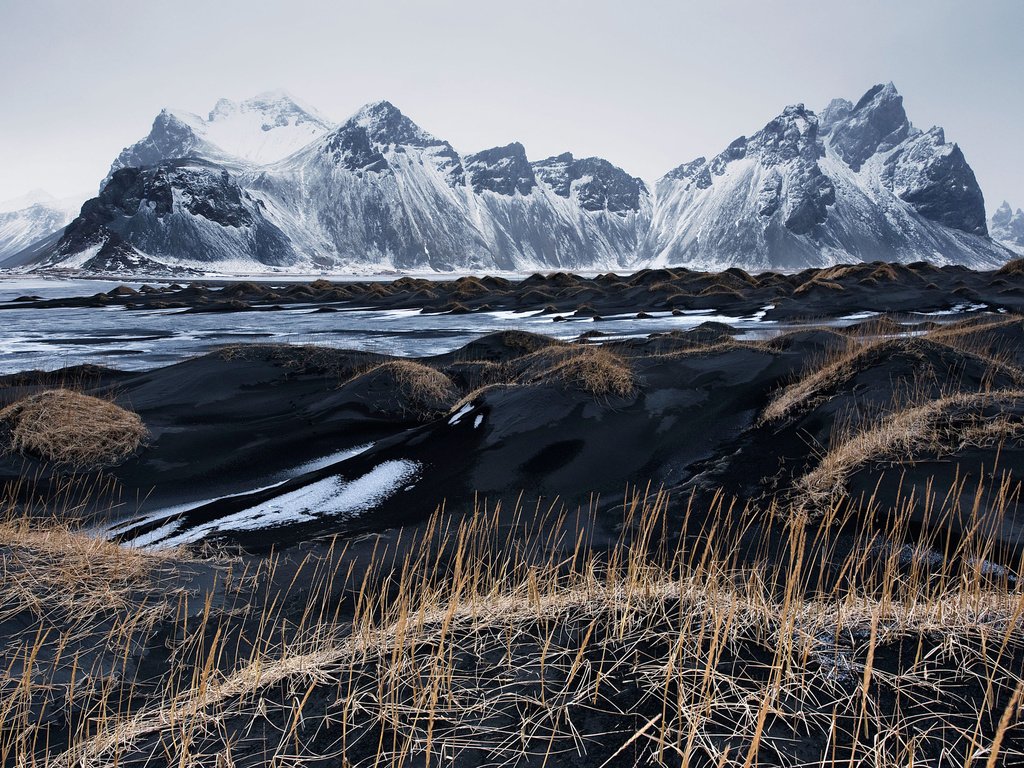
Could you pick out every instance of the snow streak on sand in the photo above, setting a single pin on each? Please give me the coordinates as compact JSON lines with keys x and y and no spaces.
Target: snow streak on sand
{"x":330,"y":497}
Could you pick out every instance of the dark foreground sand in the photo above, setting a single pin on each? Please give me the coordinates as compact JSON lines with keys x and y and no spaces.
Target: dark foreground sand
{"x":685,"y":549}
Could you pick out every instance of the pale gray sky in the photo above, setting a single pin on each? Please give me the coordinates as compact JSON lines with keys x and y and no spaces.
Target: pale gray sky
{"x":647,"y":85}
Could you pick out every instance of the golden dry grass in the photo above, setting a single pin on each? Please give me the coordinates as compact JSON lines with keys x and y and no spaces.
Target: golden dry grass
{"x":64,"y":569}
{"x":418,"y":389}
{"x":820,"y":377}
{"x":937,"y":427}
{"x":503,"y":651}
{"x":70,"y":428}
{"x":595,"y":370}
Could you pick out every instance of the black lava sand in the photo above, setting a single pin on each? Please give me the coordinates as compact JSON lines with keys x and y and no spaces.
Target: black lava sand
{"x":570,"y":522}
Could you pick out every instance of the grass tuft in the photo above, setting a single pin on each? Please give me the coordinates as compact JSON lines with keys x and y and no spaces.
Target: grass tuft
{"x":70,"y":428}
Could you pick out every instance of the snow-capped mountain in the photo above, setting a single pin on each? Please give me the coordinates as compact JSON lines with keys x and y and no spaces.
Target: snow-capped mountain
{"x":377,"y":192}
{"x":32,"y":217}
{"x":1008,"y":228}
{"x":381,"y":191}
{"x":260,"y":130}
{"x":268,"y":185}
{"x":859,"y":183}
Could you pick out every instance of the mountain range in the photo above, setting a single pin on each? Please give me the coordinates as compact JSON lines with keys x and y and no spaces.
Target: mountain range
{"x":268,"y":184}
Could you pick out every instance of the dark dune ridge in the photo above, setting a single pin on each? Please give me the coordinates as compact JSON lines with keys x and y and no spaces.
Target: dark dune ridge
{"x":810,"y":294}
{"x":698,"y":412}
{"x":852,"y":494}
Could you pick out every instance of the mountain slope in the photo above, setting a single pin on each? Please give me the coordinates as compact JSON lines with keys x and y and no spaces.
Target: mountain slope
{"x":28,"y":219}
{"x":858,"y":184}
{"x":377,"y":192}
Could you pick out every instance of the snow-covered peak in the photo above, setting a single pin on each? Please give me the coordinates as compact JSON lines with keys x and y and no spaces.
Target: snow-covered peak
{"x":385,"y":124}
{"x":502,"y":170}
{"x":834,"y":111}
{"x":43,"y":199}
{"x":1004,"y":214}
{"x":263,"y":129}
{"x":593,"y":182}
{"x":877,"y":123}
{"x":260,"y":130}
{"x":26,"y":219}
{"x":275,"y":106}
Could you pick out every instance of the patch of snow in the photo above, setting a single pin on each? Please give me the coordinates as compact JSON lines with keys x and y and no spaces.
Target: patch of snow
{"x":457,"y":417}
{"x":330,"y":497}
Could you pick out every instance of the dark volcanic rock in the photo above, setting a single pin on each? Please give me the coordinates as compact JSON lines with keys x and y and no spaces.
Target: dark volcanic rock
{"x":602,"y":186}
{"x":935,"y":178}
{"x":351,"y":148}
{"x":876,"y":123}
{"x":144,"y":210}
{"x":502,"y":170}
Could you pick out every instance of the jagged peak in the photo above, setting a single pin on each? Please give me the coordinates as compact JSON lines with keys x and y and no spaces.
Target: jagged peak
{"x":385,"y":123}
{"x":877,"y":123}
{"x":564,"y":157}
{"x":835,"y":111}
{"x":796,"y":110}
{"x":879,"y":94}
{"x":512,"y":149}
{"x":504,"y":170}
{"x":1005,"y":214}
{"x":376,"y":110}
{"x":179,"y":116}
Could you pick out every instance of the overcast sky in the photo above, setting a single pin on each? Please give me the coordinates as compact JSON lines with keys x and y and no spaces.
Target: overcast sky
{"x":647,"y":85}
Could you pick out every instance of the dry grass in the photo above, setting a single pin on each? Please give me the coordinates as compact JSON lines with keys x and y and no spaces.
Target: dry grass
{"x":493,"y":651}
{"x":595,"y":370}
{"x":938,"y":427}
{"x":725,"y":636}
{"x":70,"y":428}
{"x":75,"y":612}
{"x":304,"y":358}
{"x":416,"y":389}
{"x":65,"y":569}
{"x":813,"y":386}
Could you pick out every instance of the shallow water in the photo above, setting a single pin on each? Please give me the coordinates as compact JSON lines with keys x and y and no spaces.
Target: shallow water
{"x":139,"y":340}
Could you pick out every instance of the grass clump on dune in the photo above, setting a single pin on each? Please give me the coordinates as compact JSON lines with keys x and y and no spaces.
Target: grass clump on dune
{"x":595,"y":370}
{"x":412,"y":388}
{"x":70,"y":428}
{"x":819,"y":380}
{"x":938,"y":427}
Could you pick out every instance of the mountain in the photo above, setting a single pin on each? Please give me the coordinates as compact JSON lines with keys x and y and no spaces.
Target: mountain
{"x":263,"y":129}
{"x":1008,"y":228}
{"x":377,"y":192}
{"x":266,"y":184}
{"x":858,"y":183}
{"x":32,"y":217}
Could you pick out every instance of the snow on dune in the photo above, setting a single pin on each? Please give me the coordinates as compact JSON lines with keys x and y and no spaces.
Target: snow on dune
{"x":330,"y":497}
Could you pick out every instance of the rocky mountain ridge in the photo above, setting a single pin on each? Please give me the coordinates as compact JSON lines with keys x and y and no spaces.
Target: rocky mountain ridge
{"x":268,"y":185}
